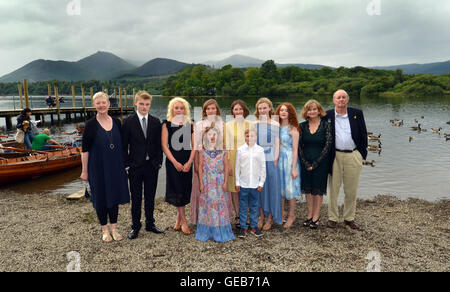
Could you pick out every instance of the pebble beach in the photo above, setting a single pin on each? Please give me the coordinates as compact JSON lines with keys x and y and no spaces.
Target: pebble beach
{"x":38,"y":232}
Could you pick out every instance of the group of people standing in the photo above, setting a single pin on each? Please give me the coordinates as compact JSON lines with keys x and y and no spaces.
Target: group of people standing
{"x":244,"y":169}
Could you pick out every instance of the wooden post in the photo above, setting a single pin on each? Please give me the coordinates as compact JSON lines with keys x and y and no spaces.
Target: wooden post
{"x":126,"y":99}
{"x":8,"y":123}
{"x":19,"y":85}
{"x":84,"y":100}
{"x":120,"y":102}
{"x":49,"y":89}
{"x":25,"y":88}
{"x":73,"y":96}
{"x":57,"y":103}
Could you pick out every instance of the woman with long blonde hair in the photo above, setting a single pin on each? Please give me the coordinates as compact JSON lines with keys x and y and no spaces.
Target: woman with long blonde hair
{"x":177,"y":141}
{"x":269,"y":138}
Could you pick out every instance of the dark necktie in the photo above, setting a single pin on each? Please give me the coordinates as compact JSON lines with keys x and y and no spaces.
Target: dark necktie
{"x":144,"y":127}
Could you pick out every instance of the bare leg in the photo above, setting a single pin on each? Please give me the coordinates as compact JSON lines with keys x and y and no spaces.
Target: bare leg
{"x":184,"y":226}
{"x":310,"y":204}
{"x":291,"y":217}
{"x":317,"y":205}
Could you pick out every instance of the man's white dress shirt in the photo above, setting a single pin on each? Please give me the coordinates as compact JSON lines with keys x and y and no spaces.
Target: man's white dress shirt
{"x":344,"y":140}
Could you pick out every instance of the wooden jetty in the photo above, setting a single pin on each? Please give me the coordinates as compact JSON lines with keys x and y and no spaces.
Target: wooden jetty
{"x":84,"y":112}
{"x":40,"y":113}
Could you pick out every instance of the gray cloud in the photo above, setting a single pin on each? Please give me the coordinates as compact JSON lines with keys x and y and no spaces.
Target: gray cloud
{"x":323,"y":32}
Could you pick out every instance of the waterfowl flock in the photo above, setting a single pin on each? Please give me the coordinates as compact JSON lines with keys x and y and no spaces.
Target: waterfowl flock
{"x":376,"y":147}
{"x":418,"y":128}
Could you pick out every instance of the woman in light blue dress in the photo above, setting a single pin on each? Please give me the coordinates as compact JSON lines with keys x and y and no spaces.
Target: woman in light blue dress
{"x":288,"y":162}
{"x":268,"y":138}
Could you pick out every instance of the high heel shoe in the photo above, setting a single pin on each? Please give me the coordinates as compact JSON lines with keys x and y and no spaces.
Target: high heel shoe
{"x":260,"y":223}
{"x":268,"y":225}
{"x":314,"y":224}
{"x":185,"y":228}
{"x":307,"y":222}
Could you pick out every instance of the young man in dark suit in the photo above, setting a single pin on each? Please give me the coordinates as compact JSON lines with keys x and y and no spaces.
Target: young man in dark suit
{"x":350,"y":149}
{"x":143,"y":156}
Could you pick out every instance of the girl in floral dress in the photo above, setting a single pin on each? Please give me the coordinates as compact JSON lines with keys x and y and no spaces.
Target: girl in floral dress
{"x":214,"y":202}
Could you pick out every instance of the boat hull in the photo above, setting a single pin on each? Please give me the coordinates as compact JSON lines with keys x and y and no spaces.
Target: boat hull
{"x":22,"y":170}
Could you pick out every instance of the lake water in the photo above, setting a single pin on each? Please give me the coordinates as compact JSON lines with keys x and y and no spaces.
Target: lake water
{"x":418,"y":169}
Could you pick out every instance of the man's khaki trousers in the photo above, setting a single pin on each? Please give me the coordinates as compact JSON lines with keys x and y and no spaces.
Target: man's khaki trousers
{"x":346,"y":169}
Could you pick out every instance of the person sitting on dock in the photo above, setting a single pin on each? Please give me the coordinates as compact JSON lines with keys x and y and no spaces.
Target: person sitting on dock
{"x":50,"y":101}
{"x":43,"y":141}
{"x":77,"y":140}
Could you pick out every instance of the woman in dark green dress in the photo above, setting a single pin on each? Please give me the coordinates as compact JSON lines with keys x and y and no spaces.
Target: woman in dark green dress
{"x":314,"y":149}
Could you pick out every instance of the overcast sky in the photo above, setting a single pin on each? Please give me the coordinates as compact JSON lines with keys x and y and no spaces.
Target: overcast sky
{"x":328,"y":32}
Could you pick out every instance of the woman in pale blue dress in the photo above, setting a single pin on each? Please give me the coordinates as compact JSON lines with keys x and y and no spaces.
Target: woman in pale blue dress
{"x":288,"y":162}
{"x":268,"y":138}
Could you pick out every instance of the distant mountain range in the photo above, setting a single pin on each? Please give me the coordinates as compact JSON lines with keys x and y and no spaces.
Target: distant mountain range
{"x":240,"y":61}
{"x":107,"y":66}
{"x":430,"y":68}
{"x":157,"y":67}
{"x":99,"y":66}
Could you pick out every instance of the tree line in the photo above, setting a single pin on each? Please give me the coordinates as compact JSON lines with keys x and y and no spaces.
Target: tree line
{"x":269,"y":80}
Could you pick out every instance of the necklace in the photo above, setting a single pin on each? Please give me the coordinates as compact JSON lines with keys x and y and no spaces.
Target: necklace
{"x":109,"y":135}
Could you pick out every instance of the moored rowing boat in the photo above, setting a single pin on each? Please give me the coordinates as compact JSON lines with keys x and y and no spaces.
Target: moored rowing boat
{"x":38,"y":164}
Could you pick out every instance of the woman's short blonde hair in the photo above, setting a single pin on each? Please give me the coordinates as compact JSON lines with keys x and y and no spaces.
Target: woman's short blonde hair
{"x":308,"y":105}
{"x":100,"y":94}
{"x":187,"y":109}
{"x":264,"y":100}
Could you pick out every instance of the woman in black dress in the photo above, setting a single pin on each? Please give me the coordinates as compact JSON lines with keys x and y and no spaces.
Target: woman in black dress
{"x":314,"y":148}
{"x":177,"y":139}
{"x":103,"y":167}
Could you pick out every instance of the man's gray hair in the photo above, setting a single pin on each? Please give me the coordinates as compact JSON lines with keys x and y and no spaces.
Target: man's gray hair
{"x":334,"y":95}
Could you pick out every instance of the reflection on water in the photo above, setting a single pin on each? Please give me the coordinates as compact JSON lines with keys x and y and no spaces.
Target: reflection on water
{"x":420,"y":168}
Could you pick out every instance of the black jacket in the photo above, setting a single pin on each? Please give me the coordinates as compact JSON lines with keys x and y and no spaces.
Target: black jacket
{"x":136,"y":147}
{"x":358,"y":128}
{"x":20,"y":120}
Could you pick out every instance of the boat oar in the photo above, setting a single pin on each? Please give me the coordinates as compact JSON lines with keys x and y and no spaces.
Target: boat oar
{"x":57,"y":146}
{"x":3,"y":136}
{"x":22,"y":150}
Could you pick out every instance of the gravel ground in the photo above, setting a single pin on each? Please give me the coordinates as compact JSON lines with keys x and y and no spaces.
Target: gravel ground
{"x":37,"y":233}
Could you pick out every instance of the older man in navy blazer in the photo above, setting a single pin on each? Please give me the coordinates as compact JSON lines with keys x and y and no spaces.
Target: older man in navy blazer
{"x":350,"y":149}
